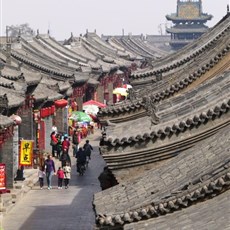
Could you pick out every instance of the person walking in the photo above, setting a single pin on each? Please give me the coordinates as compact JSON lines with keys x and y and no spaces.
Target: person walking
{"x":65,"y":157}
{"x":81,"y":158}
{"x":41,"y":174}
{"x":59,"y":146}
{"x":87,"y":148}
{"x":53,"y":142}
{"x":60,"y":175}
{"x":67,"y":174}
{"x":65,"y":144}
{"x":75,"y":142}
{"x":50,"y":170}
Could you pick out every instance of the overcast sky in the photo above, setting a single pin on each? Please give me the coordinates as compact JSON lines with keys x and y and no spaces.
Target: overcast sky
{"x":107,"y":17}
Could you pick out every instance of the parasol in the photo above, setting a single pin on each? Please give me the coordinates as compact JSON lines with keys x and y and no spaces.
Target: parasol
{"x":121,"y":91}
{"x":80,"y":116}
{"x":92,"y":107}
{"x":92,"y":102}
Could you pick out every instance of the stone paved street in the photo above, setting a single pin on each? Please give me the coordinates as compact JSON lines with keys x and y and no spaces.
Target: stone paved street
{"x":66,"y":209}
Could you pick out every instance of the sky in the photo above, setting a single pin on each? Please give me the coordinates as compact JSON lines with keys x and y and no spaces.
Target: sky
{"x":108,"y":17}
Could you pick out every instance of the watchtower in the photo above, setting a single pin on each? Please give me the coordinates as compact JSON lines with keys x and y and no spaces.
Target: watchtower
{"x":188,"y":23}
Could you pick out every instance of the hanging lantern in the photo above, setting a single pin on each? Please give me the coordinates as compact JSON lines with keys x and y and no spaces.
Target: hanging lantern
{"x":61,"y":103}
{"x":42,"y":113}
{"x":46,"y":112}
{"x":49,"y":111}
{"x":52,"y":109}
{"x":17,"y":120}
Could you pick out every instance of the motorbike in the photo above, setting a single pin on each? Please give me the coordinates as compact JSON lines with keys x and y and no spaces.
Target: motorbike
{"x":81,"y":167}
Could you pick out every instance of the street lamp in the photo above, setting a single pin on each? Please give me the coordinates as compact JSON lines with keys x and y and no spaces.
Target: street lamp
{"x":1,"y":19}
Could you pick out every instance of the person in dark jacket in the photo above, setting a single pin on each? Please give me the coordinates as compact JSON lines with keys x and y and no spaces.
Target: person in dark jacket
{"x":59,"y":146}
{"x":65,"y":157}
{"x":81,"y":158}
{"x":75,"y":142}
{"x":88,"y":148}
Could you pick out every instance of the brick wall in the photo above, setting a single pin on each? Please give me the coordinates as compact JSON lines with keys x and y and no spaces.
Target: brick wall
{"x":100,"y":94}
{"x":26,"y":128}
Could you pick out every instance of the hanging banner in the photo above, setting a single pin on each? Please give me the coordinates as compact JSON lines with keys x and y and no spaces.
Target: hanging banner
{"x":2,"y":176}
{"x":26,"y":152}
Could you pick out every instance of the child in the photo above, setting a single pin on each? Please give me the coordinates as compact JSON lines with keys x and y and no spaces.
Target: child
{"x":41,"y":174}
{"x":60,"y":174}
{"x":67,"y":171}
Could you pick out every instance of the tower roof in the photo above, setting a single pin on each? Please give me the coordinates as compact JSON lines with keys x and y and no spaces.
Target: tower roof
{"x":189,"y":10}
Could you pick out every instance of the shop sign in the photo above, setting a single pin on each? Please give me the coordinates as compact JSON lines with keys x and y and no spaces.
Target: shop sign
{"x":26,"y":152}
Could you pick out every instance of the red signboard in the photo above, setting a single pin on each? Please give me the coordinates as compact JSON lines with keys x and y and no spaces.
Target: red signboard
{"x":2,"y":176}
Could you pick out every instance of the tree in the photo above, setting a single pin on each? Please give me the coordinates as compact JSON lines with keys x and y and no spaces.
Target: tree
{"x":23,"y":29}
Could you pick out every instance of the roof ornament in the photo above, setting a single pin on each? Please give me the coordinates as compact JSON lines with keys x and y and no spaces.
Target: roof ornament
{"x":37,"y":32}
{"x":132,"y":94}
{"x":227,"y":8}
{"x":151,"y":110}
{"x":19,"y":36}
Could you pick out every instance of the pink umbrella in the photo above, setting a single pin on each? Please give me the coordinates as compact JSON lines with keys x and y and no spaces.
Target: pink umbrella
{"x":92,"y":102}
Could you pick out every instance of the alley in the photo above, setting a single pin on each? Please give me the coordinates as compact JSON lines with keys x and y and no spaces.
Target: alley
{"x":66,"y":209}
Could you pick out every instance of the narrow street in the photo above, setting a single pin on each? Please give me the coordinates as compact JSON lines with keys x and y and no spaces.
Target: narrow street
{"x":66,"y":209}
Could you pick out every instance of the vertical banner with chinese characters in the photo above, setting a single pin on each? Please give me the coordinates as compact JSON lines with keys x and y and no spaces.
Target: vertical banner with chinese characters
{"x":26,"y":152}
{"x":2,"y":176}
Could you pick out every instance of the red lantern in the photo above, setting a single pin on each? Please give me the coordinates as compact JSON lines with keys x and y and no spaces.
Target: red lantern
{"x":52,"y":109}
{"x":61,"y":103}
{"x":42,"y":113}
{"x":46,"y":112}
{"x":49,"y":111}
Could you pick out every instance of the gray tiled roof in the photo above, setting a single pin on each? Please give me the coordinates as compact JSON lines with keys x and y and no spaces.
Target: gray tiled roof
{"x":212,"y":214}
{"x":44,"y":92}
{"x":202,"y":171}
{"x":5,"y":121}
{"x":14,"y":98}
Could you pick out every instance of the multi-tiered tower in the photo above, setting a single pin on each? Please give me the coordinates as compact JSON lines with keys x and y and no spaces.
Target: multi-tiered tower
{"x":188,"y":22}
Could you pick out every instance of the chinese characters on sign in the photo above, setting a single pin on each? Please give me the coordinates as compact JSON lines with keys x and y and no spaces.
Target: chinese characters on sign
{"x":26,"y":152}
{"x":2,"y":176}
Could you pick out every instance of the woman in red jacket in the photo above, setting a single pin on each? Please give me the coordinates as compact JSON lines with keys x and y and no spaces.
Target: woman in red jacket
{"x":53,"y":142}
{"x":65,"y":144}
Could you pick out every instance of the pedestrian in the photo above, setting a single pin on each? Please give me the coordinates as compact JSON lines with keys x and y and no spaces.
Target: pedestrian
{"x":75,"y":142}
{"x":59,"y":146}
{"x":50,"y":170}
{"x":81,"y":158}
{"x":87,"y":148}
{"x":65,"y":143}
{"x":53,"y":142}
{"x":65,"y":157}
{"x":41,"y":174}
{"x":60,"y":175}
{"x":67,"y":174}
